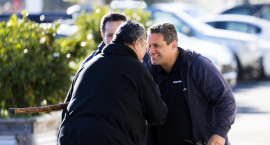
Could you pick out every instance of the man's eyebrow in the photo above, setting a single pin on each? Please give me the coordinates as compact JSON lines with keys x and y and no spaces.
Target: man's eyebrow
{"x":155,"y":44}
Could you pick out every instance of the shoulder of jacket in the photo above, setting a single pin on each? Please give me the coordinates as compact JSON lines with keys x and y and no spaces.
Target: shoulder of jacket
{"x":188,"y":56}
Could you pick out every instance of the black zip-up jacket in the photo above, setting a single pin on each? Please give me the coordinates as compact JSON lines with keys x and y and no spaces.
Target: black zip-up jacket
{"x":96,"y":52}
{"x":210,"y":100}
{"x":111,"y":98}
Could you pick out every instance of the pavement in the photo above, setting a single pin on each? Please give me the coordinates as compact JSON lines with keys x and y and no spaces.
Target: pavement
{"x":252,"y":123}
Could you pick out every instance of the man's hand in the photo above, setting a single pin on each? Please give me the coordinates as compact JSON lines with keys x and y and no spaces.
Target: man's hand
{"x":216,"y":140}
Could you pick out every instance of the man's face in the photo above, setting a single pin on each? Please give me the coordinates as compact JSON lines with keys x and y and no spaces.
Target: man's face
{"x":142,"y":49}
{"x":158,"y":49}
{"x":110,"y":28}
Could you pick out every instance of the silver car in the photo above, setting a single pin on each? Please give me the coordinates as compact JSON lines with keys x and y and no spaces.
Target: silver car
{"x":247,"y":24}
{"x":243,"y":46}
{"x":219,"y":55}
{"x":241,"y":23}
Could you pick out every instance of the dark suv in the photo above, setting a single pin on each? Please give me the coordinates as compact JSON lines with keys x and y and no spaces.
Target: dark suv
{"x":45,"y":17}
{"x":257,"y":10}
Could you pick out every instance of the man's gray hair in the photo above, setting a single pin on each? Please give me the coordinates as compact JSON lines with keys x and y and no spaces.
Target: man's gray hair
{"x":129,"y":32}
{"x":168,"y":30}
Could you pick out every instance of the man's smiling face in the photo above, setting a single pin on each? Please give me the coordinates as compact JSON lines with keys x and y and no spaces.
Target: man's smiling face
{"x":158,"y":49}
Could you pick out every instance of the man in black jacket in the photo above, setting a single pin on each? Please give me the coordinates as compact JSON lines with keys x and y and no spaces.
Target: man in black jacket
{"x":108,"y":25}
{"x":113,"y":95}
{"x":201,"y":105}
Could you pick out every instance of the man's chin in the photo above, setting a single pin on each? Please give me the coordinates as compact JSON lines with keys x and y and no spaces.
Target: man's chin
{"x":154,"y":62}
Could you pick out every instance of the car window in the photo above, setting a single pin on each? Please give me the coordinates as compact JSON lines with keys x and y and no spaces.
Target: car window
{"x":240,"y":27}
{"x":266,"y":12}
{"x":168,"y":17}
{"x":242,"y":11}
{"x":213,"y":24}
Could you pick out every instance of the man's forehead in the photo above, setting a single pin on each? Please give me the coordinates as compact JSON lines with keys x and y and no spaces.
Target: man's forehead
{"x":112,"y":25}
{"x":156,"y":36}
{"x":114,"y":22}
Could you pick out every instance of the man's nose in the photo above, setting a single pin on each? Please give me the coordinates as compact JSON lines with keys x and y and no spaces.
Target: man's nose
{"x":150,"y":50}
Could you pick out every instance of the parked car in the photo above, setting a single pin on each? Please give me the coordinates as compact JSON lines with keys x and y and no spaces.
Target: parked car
{"x":189,"y":8}
{"x":219,"y":55}
{"x":120,"y":4}
{"x":266,"y":64}
{"x":247,"y":24}
{"x":77,"y":9}
{"x":265,"y":57}
{"x":243,"y":46}
{"x":64,"y":29}
{"x":256,"y":10}
{"x":241,"y":23}
{"x":46,"y":17}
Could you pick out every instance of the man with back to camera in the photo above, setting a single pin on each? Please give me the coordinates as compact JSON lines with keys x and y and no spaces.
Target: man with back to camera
{"x":201,"y":105}
{"x":108,"y":25}
{"x":113,"y":94}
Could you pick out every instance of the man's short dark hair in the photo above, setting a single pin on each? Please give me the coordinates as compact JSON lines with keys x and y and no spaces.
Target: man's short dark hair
{"x":128,"y":32}
{"x":168,"y":30}
{"x":110,"y":17}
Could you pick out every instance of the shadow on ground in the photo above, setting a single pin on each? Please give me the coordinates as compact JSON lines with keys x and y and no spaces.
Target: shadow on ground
{"x":250,"y":84}
{"x":249,"y":110}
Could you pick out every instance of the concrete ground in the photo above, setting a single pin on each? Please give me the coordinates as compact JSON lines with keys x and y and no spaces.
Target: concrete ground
{"x":252,"y":124}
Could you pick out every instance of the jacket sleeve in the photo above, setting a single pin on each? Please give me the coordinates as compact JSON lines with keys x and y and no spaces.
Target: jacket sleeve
{"x":218,"y":93}
{"x":89,"y":58}
{"x":68,"y":97}
{"x":155,"y":110}
{"x":96,"y":52}
{"x":69,"y":94}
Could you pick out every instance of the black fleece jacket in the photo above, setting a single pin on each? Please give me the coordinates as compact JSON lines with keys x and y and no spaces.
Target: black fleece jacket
{"x":111,"y":98}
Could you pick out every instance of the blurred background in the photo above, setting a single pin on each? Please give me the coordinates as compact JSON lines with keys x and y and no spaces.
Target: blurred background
{"x":43,"y":42}
{"x":35,"y":6}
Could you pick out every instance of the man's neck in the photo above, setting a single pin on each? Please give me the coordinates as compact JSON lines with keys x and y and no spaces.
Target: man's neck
{"x":169,"y":65}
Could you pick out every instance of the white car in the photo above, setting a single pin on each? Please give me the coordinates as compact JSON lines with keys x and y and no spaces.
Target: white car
{"x":241,"y":23}
{"x":266,"y":64}
{"x":219,"y":55}
{"x":247,"y":24}
{"x":244,"y":46}
{"x":265,"y":57}
{"x":191,"y":9}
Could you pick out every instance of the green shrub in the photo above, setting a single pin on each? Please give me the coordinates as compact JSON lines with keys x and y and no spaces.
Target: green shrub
{"x":35,"y":66}
{"x":88,"y":36}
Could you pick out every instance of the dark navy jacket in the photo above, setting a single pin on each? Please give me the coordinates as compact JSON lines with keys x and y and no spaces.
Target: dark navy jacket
{"x":111,"y":98}
{"x":210,"y":100}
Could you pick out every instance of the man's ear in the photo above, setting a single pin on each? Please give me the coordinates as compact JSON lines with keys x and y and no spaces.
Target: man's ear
{"x":137,"y":43}
{"x":174,"y":44}
{"x":102,"y":36}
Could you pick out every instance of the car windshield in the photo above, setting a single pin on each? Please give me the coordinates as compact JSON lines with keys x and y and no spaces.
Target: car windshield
{"x":183,"y":22}
{"x":242,"y":11}
{"x":266,"y":12}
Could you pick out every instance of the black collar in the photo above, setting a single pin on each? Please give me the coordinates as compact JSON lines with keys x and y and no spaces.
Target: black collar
{"x":119,"y":49}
